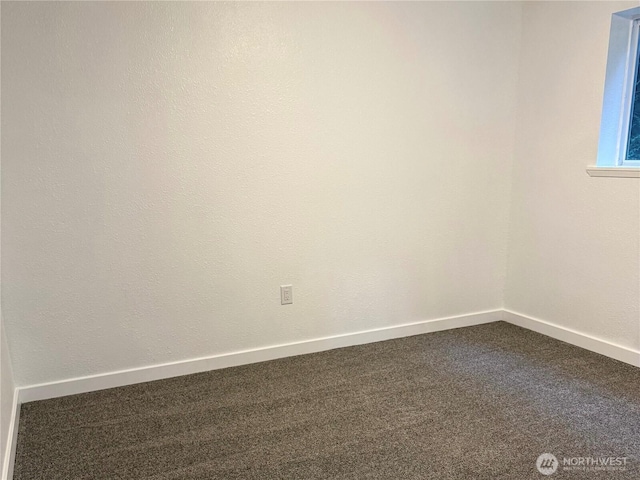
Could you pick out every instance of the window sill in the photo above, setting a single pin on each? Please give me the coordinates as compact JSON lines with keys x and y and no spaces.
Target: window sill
{"x":620,"y":172}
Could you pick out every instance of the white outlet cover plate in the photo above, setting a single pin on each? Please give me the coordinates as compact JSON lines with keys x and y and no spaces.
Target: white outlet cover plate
{"x":286,"y":294}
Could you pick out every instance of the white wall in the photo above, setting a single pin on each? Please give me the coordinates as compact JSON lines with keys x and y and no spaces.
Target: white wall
{"x":7,"y":387}
{"x":166,"y":166}
{"x":574,"y":254}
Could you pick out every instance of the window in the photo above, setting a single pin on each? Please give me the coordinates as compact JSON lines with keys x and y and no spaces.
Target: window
{"x":632,"y":152}
{"x":619,"y":147}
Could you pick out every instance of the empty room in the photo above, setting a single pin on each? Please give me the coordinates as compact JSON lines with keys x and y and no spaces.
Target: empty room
{"x":320,"y":240}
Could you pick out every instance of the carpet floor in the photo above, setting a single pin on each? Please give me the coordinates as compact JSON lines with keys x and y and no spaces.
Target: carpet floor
{"x":481,"y":402}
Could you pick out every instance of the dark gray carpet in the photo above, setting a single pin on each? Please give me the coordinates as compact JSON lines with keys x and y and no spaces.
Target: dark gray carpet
{"x":473,"y":403}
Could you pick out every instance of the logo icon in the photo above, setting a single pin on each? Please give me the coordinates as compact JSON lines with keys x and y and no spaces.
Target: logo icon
{"x":547,"y":464}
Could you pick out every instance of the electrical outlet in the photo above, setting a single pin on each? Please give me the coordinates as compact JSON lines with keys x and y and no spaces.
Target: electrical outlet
{"x":286,"y":294}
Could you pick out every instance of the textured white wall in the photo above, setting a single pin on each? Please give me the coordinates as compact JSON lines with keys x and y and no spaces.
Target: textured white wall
{"x":574,"y":256}
{"x":166,"y":166}
{"x":7,"y":386}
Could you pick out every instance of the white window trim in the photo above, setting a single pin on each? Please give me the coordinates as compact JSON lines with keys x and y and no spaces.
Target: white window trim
{"x":618,"y":95}
{"x":623,"y":172}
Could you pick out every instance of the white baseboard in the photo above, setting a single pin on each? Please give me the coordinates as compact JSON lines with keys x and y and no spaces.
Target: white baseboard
{"x":197,"y":365}
{"x":12,"y":440}
{"x":579,"y":339}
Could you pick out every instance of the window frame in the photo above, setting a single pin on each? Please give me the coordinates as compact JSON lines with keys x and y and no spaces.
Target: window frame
{"x":622,"y":63}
